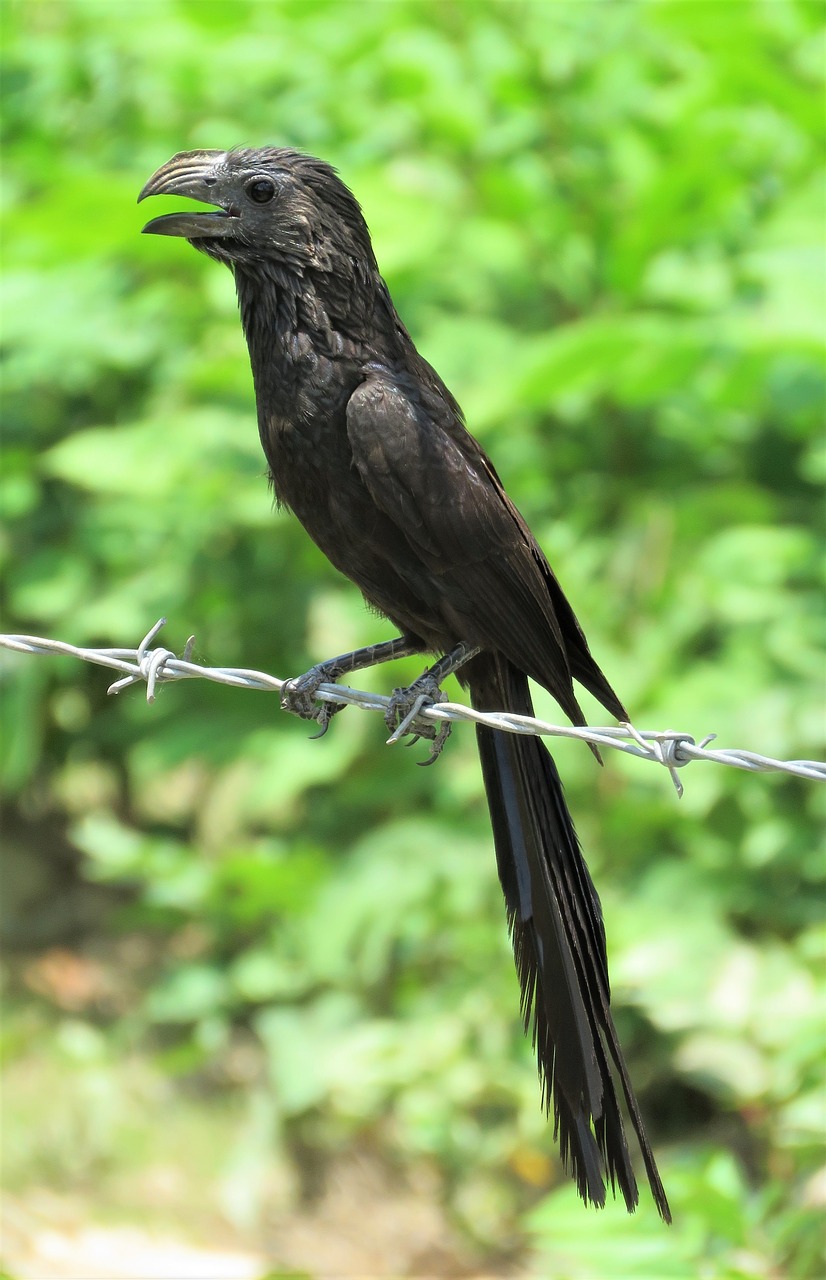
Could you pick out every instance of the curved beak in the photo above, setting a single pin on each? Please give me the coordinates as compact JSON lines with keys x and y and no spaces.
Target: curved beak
{"x":193,"y":174}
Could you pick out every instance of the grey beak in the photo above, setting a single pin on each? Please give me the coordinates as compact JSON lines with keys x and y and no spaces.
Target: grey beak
{"x":192,"y":174}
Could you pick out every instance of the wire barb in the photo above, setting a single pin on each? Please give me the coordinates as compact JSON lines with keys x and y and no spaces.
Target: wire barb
{"x":669,"y":748}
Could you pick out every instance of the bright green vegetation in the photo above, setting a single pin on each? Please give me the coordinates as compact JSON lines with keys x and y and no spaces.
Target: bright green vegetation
{"x":603,"y":223}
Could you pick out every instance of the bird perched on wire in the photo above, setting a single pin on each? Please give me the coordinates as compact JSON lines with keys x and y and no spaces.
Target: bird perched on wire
{"x":366,"y":445}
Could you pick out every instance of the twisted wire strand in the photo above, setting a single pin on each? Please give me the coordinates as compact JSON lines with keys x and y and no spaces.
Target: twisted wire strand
{"x":669,"y":748}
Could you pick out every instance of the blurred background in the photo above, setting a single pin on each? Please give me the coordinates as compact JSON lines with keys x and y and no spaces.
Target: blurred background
{"x":260,"y":1013}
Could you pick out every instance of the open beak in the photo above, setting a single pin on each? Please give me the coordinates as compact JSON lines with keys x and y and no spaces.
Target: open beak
{"x":193,"y":174}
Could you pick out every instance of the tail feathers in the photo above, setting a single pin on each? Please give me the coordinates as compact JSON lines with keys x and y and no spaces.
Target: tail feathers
{"x":555,"y":922}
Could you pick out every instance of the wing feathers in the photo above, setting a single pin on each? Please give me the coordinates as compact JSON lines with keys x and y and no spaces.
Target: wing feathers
{"x":411,"y":450}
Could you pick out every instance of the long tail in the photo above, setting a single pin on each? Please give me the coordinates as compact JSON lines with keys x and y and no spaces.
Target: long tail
{"x":555,"y":922}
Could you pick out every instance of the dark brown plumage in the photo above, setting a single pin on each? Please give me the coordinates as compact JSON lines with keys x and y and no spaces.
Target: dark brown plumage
{"x":367,"y":446}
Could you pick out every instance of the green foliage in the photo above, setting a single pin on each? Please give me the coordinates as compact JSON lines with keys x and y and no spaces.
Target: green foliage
{"x":603,"y":224}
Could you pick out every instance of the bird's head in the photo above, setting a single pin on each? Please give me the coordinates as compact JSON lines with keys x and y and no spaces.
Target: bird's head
{"x":271,"y":204}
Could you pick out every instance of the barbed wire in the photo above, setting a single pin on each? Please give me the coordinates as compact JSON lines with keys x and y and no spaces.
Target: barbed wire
{"x":669,"y":748}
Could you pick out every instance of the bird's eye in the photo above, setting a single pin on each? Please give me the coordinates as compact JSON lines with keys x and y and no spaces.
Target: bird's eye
{"x":261,"y":190}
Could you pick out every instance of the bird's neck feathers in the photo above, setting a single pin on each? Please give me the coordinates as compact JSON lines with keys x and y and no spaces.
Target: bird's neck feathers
{"x":287,"y":308}
{"x":268,"y":295}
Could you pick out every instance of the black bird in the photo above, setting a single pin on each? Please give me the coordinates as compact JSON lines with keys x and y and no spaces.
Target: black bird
{"x":368,"y":447}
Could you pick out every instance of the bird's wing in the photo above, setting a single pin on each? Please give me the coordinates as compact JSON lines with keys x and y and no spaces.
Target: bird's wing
{"x":433,"y":481}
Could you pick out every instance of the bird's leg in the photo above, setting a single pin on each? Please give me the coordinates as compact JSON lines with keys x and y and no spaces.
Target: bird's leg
{"x":405,"y":704}
{"x":299,"y":695}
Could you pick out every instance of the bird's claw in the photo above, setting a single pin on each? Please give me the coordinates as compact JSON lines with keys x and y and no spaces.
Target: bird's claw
{"x":300,"y":697}
{"x":439,"y":740}
{"x":323,"y":715}
{"x":402,"y":715}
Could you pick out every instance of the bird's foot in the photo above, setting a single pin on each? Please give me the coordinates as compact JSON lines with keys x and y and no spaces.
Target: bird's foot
{"x":402,"y":715}
{"x":300,"y":696}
